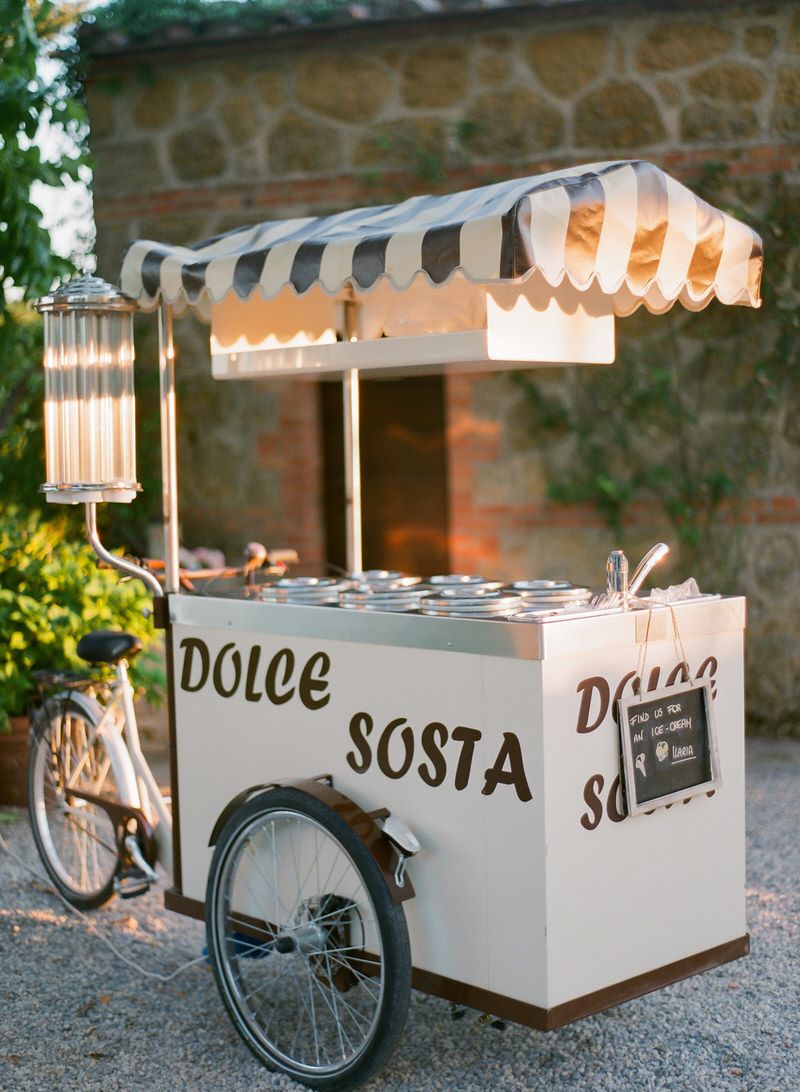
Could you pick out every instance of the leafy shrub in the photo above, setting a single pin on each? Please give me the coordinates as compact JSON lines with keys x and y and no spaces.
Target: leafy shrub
{"x":51,"y":593}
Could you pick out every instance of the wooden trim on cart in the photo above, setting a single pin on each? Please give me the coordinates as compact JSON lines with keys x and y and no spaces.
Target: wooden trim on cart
{"x":549,"y":1019}
{"x":532,"y":1016}
{"x":173,"y":758}
{"x":178,"y":902}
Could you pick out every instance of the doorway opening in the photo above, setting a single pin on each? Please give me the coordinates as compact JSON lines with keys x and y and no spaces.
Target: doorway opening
{"x":403,"y":474}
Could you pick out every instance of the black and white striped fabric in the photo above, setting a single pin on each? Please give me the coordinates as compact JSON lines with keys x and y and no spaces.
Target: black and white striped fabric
{"x":627,"y":227}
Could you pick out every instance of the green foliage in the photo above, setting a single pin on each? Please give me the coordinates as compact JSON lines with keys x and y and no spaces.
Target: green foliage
{"x":29,"y":32}
{"x":21,"y":394}
{"x":51,"y":593}
{"x":683,"y":420}
{"x":140,"y":19}
{"x":26,"y":99}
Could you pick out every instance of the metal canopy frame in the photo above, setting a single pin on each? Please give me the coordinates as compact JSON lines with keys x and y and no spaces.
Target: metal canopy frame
{"x":351,"y":409}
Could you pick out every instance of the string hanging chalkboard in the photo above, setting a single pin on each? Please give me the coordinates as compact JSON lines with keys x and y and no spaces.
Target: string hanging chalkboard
{"x":668,"y":738}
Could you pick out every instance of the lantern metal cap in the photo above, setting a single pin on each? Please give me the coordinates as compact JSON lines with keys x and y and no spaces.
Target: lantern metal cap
{"x":86,"y":293}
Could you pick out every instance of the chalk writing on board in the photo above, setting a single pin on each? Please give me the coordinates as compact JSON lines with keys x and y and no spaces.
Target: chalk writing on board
{"x":668,"y":745}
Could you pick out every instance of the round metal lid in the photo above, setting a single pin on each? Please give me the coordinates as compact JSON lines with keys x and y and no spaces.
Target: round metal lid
{"x":470,"y":602}
{"x":453,"y":580}
{"x":384,"y":579}
{"x":468,"y":594}
{"x":86,"y":293}
{"x":542,"y":585}
{"x":403,"y":598}
{"x":550,"y":591}
{"x":304,"y":589}
{"x":463,"y":581}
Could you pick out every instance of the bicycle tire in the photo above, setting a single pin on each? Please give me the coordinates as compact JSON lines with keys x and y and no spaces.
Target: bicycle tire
{"x":76,"y":840}
{"x":342,"y":943}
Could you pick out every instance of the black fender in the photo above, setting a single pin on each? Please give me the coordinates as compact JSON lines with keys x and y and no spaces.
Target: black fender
{"x":363,"y":824}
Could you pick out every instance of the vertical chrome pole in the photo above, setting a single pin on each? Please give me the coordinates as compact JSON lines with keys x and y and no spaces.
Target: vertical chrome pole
{"x":352,"y":471}
{"x":352,"y":449}
{"x":169,"y":449}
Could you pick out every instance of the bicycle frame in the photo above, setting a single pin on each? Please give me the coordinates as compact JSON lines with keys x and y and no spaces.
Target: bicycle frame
{"x":120,"y":731}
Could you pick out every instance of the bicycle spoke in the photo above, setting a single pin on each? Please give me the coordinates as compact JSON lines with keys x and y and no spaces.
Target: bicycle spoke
{"x":76,"y":838}
{"x":339,"y":1029}
{"x":333,"y":1006}
{"x":363,"y":979}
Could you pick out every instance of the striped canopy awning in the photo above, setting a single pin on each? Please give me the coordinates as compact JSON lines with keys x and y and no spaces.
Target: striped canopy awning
{"x":625,"y":227}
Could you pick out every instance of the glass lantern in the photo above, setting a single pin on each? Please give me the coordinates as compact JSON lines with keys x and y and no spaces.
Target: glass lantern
{"x":90,"y":428}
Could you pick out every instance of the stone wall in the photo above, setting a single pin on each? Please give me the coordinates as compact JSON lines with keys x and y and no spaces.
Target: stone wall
{"x":199,"y":139}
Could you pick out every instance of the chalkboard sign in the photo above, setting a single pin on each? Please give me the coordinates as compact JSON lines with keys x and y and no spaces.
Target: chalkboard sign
{"x":669,"y":746}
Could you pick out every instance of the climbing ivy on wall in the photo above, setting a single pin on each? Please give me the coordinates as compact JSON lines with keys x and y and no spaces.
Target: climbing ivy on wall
{"x":687,"y":419}
{"x":139,"y":19}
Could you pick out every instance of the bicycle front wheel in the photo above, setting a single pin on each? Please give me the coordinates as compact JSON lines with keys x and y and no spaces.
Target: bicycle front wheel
{"x":309,"y":952}
{"x":76,"y":840}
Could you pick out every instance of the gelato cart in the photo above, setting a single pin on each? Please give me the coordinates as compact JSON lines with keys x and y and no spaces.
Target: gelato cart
{"x":525,"y":799}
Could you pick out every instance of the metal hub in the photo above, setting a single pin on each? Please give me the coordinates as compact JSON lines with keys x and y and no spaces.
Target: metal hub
{"x":308,"y":939}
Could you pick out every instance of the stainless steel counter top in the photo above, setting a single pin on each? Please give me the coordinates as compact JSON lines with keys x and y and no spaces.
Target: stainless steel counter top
{"x":550,"y":638}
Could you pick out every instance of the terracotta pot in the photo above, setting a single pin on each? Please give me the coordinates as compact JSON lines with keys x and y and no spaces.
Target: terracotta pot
{"x":14,"y":763}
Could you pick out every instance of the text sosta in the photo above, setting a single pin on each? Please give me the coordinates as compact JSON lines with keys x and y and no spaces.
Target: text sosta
{"x":507,"y":769}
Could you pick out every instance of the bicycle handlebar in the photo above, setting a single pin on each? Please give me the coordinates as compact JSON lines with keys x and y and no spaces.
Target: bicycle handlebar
{"x":258,"y":557}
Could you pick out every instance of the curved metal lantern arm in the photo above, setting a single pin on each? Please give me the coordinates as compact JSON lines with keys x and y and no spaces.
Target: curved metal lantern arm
{"x":121,"y":563}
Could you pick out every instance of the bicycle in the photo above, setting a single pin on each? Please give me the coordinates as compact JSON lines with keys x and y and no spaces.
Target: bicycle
{"x":324,"y":950}
{"x":99,"y":819}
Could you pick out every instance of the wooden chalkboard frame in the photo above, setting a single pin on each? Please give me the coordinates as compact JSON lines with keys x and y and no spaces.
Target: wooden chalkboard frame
{"x":629,"y":704}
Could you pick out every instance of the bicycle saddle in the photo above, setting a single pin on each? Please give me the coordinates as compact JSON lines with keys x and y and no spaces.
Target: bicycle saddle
{"x":108,"y":646}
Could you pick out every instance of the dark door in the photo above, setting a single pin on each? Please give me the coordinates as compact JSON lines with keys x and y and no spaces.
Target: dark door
{"x":403,"y":474}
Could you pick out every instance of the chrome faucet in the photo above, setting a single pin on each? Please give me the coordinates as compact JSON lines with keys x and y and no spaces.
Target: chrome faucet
{"x":646,"y":565}
{"x":619,"y":590}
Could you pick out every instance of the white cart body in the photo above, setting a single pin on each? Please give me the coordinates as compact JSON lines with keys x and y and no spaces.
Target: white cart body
{"x":541,"y":909}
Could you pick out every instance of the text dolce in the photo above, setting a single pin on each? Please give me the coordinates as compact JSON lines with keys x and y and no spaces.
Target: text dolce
{"x":278,"y":680}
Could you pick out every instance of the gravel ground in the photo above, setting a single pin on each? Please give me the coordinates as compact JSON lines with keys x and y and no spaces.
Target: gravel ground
{"x":73,"y":1016}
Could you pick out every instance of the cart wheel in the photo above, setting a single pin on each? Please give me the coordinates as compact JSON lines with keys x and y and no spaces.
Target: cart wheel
{"x":310,"y":954}
{"x":76,"y":840}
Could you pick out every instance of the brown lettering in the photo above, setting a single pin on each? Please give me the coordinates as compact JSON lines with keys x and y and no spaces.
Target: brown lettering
{"x":252,"y":668}
{"x":311,"y":684}
{"x":591,"y":794}
{"x":635,"y":685}
{"x":587,"y":690}
{"x":286,"y":658}
{"x":360,"y":727}
{"x":236,"y":660}
{"x":681,"y":669}
{"x":468,"y":737}
{"x":511,"y":752}
{"x":192,"y":645}
{"x":615,"y":813}
{"x":382,"y":753}
{"x":434,"y":774}
{"x":709,"y":664}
